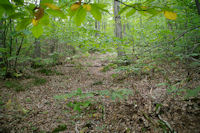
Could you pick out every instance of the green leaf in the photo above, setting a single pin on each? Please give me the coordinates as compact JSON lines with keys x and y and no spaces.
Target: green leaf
{"x":153,"y":11}
{"x":1,"y":11}
{"x":46,"y":1}
{"x":16,"y":15}
{"x":3,"y":50}
{"x":161,"y":84}
{"x":23,"y":24}
{"x":105,"y":92}
{"x":60,"y":128}
{"x":130,"y":13}
{"x":193,"y":93}
{"x":72,"y":13}
{"x":96,"y":12}
{"x":19,"y":2}
{"x":172,"y":89}
{"x":37,"y":30}
{"x":4,"y":2}
{"x":123,"y":10}
{"x":44,"y":20}
{"x":77,"y":107}
{"x":56,"y":13}
{"x":86,"y":104}
{"x":80,"y":16}
{"x":79,"y":91}
{"x":70,"y":104}
{"x":101,"y":7}
{"x":6,"y":5}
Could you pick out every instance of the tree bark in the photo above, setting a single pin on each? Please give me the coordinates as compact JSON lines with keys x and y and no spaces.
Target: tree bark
{"x":124,"y":29}
{"x":118,"y":27}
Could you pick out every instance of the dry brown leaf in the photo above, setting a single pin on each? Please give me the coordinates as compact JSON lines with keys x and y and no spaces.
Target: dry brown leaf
{"x":39,"y":13}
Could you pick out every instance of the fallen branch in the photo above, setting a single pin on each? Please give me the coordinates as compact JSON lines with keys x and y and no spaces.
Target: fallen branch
{"x":165,"y":122}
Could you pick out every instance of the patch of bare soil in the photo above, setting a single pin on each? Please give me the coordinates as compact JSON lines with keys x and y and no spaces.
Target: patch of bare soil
{"x":150,"y":109}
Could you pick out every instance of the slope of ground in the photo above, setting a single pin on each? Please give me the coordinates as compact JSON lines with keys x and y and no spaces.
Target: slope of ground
{"x":36,"y":109}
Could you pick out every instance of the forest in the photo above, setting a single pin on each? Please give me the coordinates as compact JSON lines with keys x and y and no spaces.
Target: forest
{"x":99,"y":66}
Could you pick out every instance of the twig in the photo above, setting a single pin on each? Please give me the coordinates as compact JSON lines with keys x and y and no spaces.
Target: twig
{"x":185,"y":33}
{"x":171,"y":42}
{"x":195,"y":46}
{"x":76,"y":128}
{"x":194,"y":59}
{"x":166,"y":123}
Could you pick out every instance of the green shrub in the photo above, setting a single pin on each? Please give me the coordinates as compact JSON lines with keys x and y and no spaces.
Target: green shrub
{"x":15,"y":85}
{"x":109,"y":67}
{"x":84,"y":100}
{"x":45,"y":71}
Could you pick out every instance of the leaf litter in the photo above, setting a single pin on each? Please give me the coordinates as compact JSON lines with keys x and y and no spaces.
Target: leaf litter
{"x":151,"y":109}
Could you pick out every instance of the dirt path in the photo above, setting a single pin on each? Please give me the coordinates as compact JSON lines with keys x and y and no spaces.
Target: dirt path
{"x":36,"y":109}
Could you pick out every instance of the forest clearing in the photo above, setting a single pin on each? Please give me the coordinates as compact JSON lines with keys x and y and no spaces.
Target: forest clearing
{"x":96,"y":66}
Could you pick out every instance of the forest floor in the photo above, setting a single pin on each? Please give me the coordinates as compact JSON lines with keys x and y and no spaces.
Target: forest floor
{"x":148,"y":109}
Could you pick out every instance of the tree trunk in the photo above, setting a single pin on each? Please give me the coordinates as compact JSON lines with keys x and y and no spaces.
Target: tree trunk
{"x":37,"y":49}
{"x":1,"y":41}
{"x":198,"y":6}
{"x":124,"y":29}
{"x":118,"y":27}
{"x":97,"y":27}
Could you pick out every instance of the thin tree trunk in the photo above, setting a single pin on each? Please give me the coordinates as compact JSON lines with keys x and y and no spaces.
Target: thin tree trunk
{"x":118,"y":27}
{"x":104,"y":27}
{"x":1,"y":42}
{"x":11,"y":39}
{"x":37,"y":49}
{"x":198,"y":6}
{"x":97,"y":27}
{"x":5,"y":56}
{"x":18,"y":52}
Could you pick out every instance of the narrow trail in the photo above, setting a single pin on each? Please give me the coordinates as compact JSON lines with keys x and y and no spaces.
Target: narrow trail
{"x":46,"y":113}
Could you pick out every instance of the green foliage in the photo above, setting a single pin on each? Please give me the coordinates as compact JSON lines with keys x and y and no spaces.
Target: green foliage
{"x":84,"y":100}
{"x":109,"y":67}
{"x":116,"y":95}
{"x":46,"y":71}
{"x":96,"y":12}
{"x":23,"y":24}
{"x":37,"y":30}
{"x":49,"y":72}
{"x":16,"y":85}
{"x":60,"y":128}
{"x":192,"y":93}
{"x":176,"y":91}
{"x":39,"y":81}
{"x":78,"y":105}
{"x":80,"y":16}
